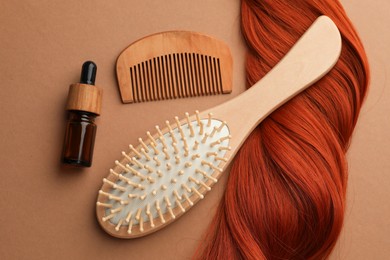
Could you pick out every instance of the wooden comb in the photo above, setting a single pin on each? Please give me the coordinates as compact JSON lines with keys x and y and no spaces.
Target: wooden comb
{"x":174,"y":64}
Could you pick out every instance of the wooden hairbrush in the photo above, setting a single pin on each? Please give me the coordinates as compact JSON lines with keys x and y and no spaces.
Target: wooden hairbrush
{"x":168,"y":172}
{"x":174,"y":64}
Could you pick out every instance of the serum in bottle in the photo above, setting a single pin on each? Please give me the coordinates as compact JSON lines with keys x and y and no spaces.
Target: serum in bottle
{"x":84,"y":105}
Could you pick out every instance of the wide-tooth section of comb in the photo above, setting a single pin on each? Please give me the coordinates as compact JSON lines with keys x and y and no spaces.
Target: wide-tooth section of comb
{"x":176,"y":75}
{"x":164,"y":176}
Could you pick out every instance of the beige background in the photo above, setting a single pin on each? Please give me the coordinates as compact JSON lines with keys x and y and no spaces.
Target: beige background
{"x":47,"y":210}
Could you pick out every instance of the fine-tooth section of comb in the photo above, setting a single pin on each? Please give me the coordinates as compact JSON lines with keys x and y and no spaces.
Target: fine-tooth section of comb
{"x":169,"y":171}
{"x":175,"y":64}
{"x":162,"y":177}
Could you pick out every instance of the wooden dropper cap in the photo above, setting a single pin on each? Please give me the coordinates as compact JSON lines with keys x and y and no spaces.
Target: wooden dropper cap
{"x":85,"y":96}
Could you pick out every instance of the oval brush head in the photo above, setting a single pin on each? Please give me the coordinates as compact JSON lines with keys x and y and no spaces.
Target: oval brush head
{"x":164,"y":176}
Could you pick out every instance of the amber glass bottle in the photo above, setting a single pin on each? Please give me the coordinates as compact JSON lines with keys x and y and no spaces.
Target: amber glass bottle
{"x":84,"y":104}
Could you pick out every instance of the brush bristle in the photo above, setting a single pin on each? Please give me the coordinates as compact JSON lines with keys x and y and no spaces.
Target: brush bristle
{"x":165,"y":175}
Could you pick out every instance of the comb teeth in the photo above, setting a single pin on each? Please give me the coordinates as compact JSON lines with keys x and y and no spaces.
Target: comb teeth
{"x":143,"y":193}
{"x":176,"y":75}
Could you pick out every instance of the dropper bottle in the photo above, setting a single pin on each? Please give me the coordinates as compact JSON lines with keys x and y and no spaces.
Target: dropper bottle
{"x":84,"y":105}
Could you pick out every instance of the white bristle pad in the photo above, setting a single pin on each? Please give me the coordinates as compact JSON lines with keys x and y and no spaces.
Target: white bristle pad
{"x":164,"y":172}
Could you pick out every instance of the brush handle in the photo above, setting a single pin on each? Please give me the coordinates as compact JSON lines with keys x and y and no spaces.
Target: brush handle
{"x":314,"y":54}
